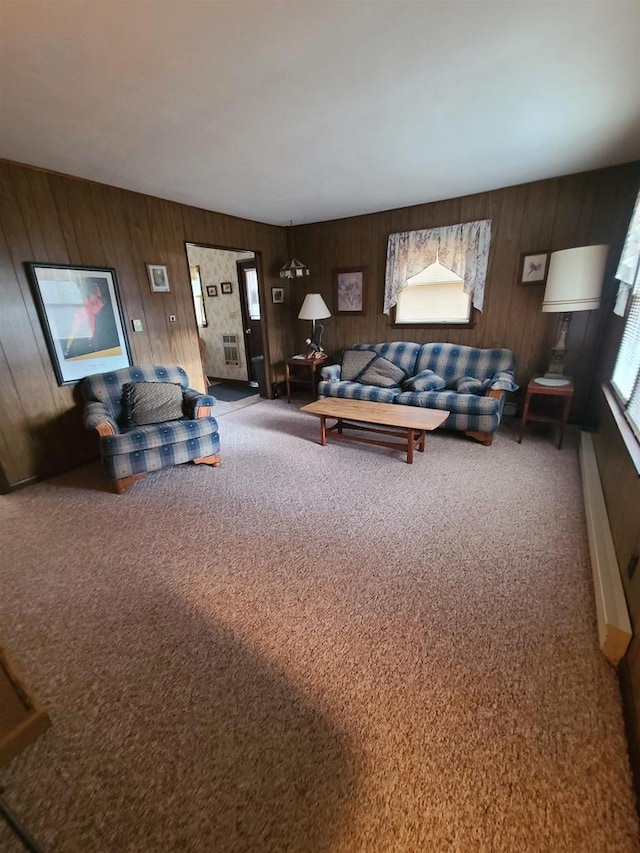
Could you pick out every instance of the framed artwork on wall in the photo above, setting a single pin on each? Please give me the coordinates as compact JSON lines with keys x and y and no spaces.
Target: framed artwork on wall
{"x":158,"y":278}
{"x":81,"y":317}
{"x":226,"y":287}
{"x":349,"y":290}
{"x":212,"y":290}
{"x":277,"y":295}
{"x":533,"y":268}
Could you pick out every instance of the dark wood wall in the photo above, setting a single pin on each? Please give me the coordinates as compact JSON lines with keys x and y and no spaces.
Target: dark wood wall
{"x":47,"y":217}
{"x":582,"y":209}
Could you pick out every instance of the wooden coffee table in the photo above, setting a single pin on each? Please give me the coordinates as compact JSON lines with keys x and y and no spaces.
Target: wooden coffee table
{"x":409,"y":423}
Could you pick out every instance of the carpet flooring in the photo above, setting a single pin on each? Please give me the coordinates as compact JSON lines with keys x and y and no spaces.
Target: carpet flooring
{"x":315,"y":649}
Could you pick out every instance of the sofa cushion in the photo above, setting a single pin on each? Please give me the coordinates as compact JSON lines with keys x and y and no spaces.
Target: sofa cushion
{"x":452,"y":361}
{"x":158,"y":435}
{"x":470,"y":385}
{"x":426,"y":380}
{"x":151,"y":402}
{"x":107,"y":387}
{"x":354,"y":362}
{"x":462,"y":404}
{"x":401,"y":353}
{"x":357,"y":391}
{"x":382,"y":373}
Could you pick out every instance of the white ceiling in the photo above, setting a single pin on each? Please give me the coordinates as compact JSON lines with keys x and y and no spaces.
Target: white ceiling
{"x":312,"y":110}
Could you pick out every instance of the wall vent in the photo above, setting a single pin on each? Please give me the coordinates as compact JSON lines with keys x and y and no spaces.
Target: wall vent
{"x":231,"y":351}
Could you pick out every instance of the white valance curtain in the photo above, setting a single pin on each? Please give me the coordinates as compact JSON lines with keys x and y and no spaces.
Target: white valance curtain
{"x":628,"y":272}
{"x":462,"y":248}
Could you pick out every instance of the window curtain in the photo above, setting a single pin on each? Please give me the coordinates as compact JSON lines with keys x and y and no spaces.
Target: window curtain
{"x":462,"y":248}
{"x":628,"y":272}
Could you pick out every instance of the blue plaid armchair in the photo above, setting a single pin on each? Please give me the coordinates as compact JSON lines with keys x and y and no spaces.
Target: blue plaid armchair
{"x":129,"y":452}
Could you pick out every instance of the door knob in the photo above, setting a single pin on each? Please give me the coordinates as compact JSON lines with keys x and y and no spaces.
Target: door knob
{"x":247,"y":331}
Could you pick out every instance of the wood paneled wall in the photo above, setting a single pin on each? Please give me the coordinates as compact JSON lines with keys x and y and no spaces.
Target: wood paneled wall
{"x":581,"y":209}
{"x":47,"y":217}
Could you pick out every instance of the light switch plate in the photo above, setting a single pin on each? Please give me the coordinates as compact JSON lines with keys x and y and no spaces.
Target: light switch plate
{"x":172,"y":318}
{"x":137,"y":325}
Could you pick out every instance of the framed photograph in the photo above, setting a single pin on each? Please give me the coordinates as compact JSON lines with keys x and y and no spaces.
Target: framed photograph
{"x":349,"y":284}
{"x":277,"y":295}
{"x":226,"y":287}
{"x":81,"y":318}
{"x":158,"y":278}
{"x":212,"y":290}
{"x":533,"y":268}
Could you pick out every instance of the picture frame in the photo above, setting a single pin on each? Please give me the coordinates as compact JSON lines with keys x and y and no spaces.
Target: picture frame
{"x":534,"y":267}
{"x":277,"y":295}
{"x":212,"y":290}
{"x":158,"y":278}
{"x":349,"y":290}
{"x":81,"y":316}
{"x":226,"y":287}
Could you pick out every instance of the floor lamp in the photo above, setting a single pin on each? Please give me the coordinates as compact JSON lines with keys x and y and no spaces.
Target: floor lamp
{"x":574,"y":283}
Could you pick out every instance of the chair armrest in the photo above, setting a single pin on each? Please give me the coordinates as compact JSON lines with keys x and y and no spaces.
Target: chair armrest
{"x":197,"y":405}
{"x":503,"y":381}
{"x":100,"y":417}
{"x":331,"y":373}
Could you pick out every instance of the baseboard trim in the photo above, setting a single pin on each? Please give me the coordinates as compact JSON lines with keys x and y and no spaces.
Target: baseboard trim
{"x":614,"y":627}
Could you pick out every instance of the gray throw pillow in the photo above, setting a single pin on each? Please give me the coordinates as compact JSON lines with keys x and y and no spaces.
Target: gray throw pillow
{"x":151,"y":402}
{"x":354,"y":362}
{"x":382,"y":373}
{"x":426,"y":380}
{"x":469,"y":385}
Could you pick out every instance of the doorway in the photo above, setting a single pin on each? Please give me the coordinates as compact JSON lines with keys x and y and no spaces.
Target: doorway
{"x":226,"y":292}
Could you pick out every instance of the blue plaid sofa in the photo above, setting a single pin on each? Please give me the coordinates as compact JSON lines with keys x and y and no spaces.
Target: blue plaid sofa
{"x":129,"y":452}
{"x":477,"y":415}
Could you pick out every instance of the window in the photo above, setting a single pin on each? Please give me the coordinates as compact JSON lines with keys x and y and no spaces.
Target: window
{"x":253,"y":299}
{"x":435,"y":276}
{"x":198,"y":299}
{"x":626,"y":373}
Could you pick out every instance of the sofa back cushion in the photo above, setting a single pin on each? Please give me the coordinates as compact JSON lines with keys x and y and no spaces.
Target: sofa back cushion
{"x":452,"y":361}
{"x":107,"y":387}
{"x":401,"y":353}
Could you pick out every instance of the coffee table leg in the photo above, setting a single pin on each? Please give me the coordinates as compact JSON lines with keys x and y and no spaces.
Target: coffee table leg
{"x":409,"y":446}
{"x":421,"y":443}
{"x":323,"y":430}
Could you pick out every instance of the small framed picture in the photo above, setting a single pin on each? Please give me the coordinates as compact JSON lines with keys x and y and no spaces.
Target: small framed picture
{"x":212,"y":290}
{"x":277,"y":295}
{"x":533,"y":268}
{"x":158,"y":278}
{"x":226,"y":287}
{"x":349,"y":286}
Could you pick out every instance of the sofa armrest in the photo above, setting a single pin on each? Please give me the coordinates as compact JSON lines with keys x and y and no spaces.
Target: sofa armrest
{"x":331,"y":373}
{"x":100,"y":417}
{"x":197,"y":405}
{"x":504,"y":380}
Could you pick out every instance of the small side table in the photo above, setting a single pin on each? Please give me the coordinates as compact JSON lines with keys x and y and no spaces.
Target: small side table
{"x":307,"y":366}
{"x":554,"y":410}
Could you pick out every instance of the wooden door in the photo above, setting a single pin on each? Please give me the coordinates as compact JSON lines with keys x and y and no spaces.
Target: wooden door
{"x":251,"y":313}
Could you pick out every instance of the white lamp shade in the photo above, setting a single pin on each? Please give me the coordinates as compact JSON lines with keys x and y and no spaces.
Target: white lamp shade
{"x":575,"y":279}
{"x":313,"y":308}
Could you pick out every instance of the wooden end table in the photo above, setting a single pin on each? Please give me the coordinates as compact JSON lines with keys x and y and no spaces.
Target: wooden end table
{"x":555,"y":409}
{"x":309,"y":366}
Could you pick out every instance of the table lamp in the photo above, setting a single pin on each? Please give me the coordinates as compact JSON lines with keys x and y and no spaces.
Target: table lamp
{"x":574,"y":283}
{"x":314,"y":308}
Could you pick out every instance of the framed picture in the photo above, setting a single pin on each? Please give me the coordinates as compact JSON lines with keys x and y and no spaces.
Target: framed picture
{"x":533,"y":268}
{"x":212,"y":290}
{"x":226,"y":287}
{"x":277,"y":295}
{"x":349,"y":284}
{"x":81,"y":318}
{"x":158,"y":278}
